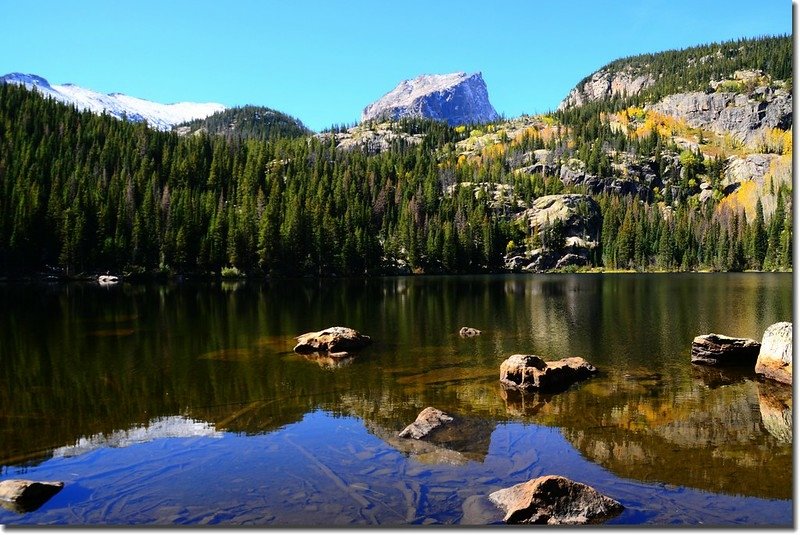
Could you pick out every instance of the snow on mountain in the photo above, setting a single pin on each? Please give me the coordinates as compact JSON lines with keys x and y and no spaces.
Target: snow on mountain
{"x":159,"y":116}
{"x":457,"y":98}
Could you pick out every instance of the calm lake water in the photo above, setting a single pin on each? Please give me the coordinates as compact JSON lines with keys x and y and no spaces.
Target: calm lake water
{"x":184,"y":404}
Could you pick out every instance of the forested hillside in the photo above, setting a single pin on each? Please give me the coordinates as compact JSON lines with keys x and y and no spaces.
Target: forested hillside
{"x":247,"y":122}
{"x":603,"y":185}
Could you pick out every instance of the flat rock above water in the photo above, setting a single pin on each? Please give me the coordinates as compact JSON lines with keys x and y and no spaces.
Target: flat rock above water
{"x":720,"y":350}
{"x":24,"y":495}
{"x":531,"y":372}
{"x":332,"y":340}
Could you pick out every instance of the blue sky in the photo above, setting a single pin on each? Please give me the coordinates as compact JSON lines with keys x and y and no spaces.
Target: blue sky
{"x":323,"y":61}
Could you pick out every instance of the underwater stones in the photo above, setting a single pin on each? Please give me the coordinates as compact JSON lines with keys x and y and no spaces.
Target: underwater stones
{"x":720,"y":350}
{"x":531,"y":372}
{"x":775,"y":357}
{"x":23,"y":495}
{"x":552,"y":500}
{"x":331,"y":340}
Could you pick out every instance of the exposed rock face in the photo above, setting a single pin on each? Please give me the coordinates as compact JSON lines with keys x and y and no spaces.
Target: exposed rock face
{"x":469,"y":332}
{"x":738,"y":114}
{"x":23,"y":495}
{"x":555,"y":500}
{"x":531,"y":372}
{"x":331,"y":340}
{"x":458,"y":98}
{"x":775,"y":358}
{"x":720,"y":350}
{"x":579,"y":219}
{"x":372,"y":139}
{"x":605,"y":84}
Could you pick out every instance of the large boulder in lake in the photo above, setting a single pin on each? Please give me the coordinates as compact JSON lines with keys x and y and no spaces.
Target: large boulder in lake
{"x":24,"y":495}
{"x":555,"y":500}
{"x":775,"y":357}
{"x":531,"y":372}
{"x":332,"y":340}
{"x":720,"y":350}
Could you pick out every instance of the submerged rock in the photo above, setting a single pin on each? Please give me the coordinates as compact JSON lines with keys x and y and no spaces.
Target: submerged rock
{"x":720,"y":350}
{"x":468,"y":332}
{"x":555,"y":500}
{"x":332,"y":340}
{"x":775,"y":405}
{"x":531,"y":372}
{"x":775,"y":357}
{"x":23,"y":495}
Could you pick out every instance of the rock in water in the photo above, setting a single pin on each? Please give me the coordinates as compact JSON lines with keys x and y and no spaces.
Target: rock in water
{"x":720,"y":350}
{"x":24,"y":496}
{"x":429,"y":419}
{"x":469,"y":332}
{"x":555,"y":500}
{"x":332,"y":340}
{"x":531,"y":372}
{"x":775,"y":358}
{"x":458,"y":98}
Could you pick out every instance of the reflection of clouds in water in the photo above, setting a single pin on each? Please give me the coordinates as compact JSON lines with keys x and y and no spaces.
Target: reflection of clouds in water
{"x":167,"y":427}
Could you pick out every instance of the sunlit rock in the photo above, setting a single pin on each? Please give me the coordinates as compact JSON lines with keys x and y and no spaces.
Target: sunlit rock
{"x":720,"y":350}
{"x":23,"y":495}
{"x":465,"y":435}
{"x":775,"y":358}
{"x":332,"y":340}
{"x":530,"y":372}
{"x":555,"y":500}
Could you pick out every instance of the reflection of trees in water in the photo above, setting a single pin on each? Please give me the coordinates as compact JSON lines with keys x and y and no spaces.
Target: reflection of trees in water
{"x":223,"y":356}
{"x":712,"y":439}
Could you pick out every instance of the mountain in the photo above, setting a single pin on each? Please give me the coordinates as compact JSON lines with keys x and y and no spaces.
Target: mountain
{"x":458,"y":98}
{"x":158,"y":116}
{"x":246,"y":122}
{"x":650,"y":77}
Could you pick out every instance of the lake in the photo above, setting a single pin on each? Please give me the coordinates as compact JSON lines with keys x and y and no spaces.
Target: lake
{"x":185,"y":404}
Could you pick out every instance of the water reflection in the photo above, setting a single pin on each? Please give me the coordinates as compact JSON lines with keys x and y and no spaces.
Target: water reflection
{"x":222,"y":355}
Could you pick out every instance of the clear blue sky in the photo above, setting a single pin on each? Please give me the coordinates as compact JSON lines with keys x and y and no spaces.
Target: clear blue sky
{"x":323,"y":61}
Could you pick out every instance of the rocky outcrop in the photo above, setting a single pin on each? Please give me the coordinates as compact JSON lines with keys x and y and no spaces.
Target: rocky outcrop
{"x":605,"y":84}
{"x":531,"y":372}
{"x":745,"y":116}
{"x":332,"y":340}
{"x":555,"y":500}
{"x":458,"y":98}
{"x":566,"y":225}
{"x":720,"y":350}
{"x":372,"y":138}
{"x":23,"y":495}
{"x":468,"y":436}
{"x":775,"y":357}
{"x":469,"y":332}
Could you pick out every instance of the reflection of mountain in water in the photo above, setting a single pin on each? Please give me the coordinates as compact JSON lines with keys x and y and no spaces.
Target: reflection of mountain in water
{"x":167,"y":427}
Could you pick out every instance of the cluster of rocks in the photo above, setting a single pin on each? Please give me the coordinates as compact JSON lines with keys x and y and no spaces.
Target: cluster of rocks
{"x":370,"y":138}
{"x":771,"y":358}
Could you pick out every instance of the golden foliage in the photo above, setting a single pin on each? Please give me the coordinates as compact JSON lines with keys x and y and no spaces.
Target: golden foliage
{"x":743,"y":199}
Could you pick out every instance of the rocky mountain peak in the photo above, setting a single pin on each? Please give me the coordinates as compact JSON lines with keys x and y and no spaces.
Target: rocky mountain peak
{"x":457,"y":98}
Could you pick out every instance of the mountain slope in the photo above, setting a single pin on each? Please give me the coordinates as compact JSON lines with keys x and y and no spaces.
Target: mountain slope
{"x":650,"y":77}
{"x":458,"y":98}
{"x":159,"y":116}
{"x":247,"y":122}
